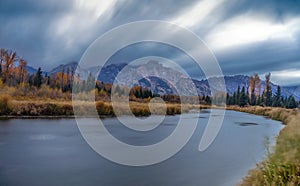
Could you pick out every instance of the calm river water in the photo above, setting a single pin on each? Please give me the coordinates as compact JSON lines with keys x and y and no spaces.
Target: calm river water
{"x":52,"y":152}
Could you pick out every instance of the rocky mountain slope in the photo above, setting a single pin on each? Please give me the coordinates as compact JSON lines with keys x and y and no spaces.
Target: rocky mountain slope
{"x":161,"y":79}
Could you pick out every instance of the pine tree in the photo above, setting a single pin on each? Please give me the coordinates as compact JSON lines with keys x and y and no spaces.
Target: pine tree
{"x":83,"y":86}
{"x":90,"y":84}
{"x":291,"y":103}
{"x":238,"y":95}
{"x":234,"y":102}
{"x":268,"y":91}
{"x":38,"y":78}
{"x":207,"y":100}
{"x":277,"y":102}
{"x":227,"y":99}
{"x":253,"y":99}
{"x":259,"y":100}
{"x":243,"y":98}
{"x":118,"y":90}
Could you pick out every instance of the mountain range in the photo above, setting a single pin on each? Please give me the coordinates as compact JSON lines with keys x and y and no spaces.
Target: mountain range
{"x":154,"y":75}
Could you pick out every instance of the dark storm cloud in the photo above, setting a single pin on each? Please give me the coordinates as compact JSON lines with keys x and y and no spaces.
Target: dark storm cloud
{"x":51,"y":32}
{"x":25,"y":28}
{"x":28,"y":26}
{"x":260,"y":58}
{"x":12,"y":8}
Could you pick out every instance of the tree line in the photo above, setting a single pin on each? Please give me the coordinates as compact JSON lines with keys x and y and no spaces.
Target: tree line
{"x":13,"y":72}
{"x":254,"y":96}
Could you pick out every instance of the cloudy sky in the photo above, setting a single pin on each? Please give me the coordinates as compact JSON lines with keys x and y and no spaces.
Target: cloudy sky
{"x":246,"y":36}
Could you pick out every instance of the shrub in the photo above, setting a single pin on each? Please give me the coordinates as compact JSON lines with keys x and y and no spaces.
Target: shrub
{"x":173,"y":110}
{"x":104,"y":109}
{"x":5,"y":105}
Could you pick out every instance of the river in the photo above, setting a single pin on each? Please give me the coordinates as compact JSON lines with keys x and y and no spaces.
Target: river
{"x":52,"y":152}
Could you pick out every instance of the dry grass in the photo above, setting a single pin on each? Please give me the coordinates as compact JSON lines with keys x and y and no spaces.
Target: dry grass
{"x":26,"y":93}
{"x":52,"y":107}
{"x":282,"y":167}
{"x":5,"y":104}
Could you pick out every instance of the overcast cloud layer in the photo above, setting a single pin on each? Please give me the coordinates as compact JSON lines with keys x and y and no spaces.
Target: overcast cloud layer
{"x":246,"y":36}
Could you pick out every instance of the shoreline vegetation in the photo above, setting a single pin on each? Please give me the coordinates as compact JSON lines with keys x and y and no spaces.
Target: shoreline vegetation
{"x":12,"y":108}
{"x":281,"y":166}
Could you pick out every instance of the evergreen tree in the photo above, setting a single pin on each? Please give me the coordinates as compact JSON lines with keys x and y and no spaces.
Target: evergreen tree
{"x":207,"y":100}
{"x":90,"y":83}
{"x":291,"y":103}
{"x":76,"y":87}
{"x":285,"y":100}
{"x":243,"y":98}
{"x":238,"y":95}
{"x":277,"y":101}
{"x":253,"y":99}
{"x":227,"y":99}
{"x":118,"y":90}
{"x":234,"y":101}
{"x":38,"y":78}
{"x":83,"y":86}
{"x":268,"y":91}
{"x":259,"y":100}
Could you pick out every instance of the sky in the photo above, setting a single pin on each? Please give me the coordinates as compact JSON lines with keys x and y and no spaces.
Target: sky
{"x":245,"y":36}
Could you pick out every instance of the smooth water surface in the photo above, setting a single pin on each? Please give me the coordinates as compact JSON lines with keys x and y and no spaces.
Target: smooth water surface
{"x":52,"y":152}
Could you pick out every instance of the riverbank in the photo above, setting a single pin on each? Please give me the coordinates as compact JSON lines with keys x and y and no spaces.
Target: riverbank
{"x":282,"y":165}
{"x":46,"y":147}
{"x":64,"y":108}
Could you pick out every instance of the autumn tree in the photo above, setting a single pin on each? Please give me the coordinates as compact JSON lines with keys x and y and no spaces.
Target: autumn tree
{"x":254,"y":88}
{"x":8,"y":65}
{"x":21,"y":72}
{"x":12,"y":68}
{"x":47,"y":80}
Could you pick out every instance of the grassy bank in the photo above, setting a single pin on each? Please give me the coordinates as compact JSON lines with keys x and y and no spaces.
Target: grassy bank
{"x":282,"y":166}
{"x":41,"y":108}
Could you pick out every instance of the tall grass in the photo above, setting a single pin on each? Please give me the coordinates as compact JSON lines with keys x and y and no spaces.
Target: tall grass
{"x":86,"y":108}
{"x":138,"y":109}
{"x":282,"y":166}
{"x":5,"y":104}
